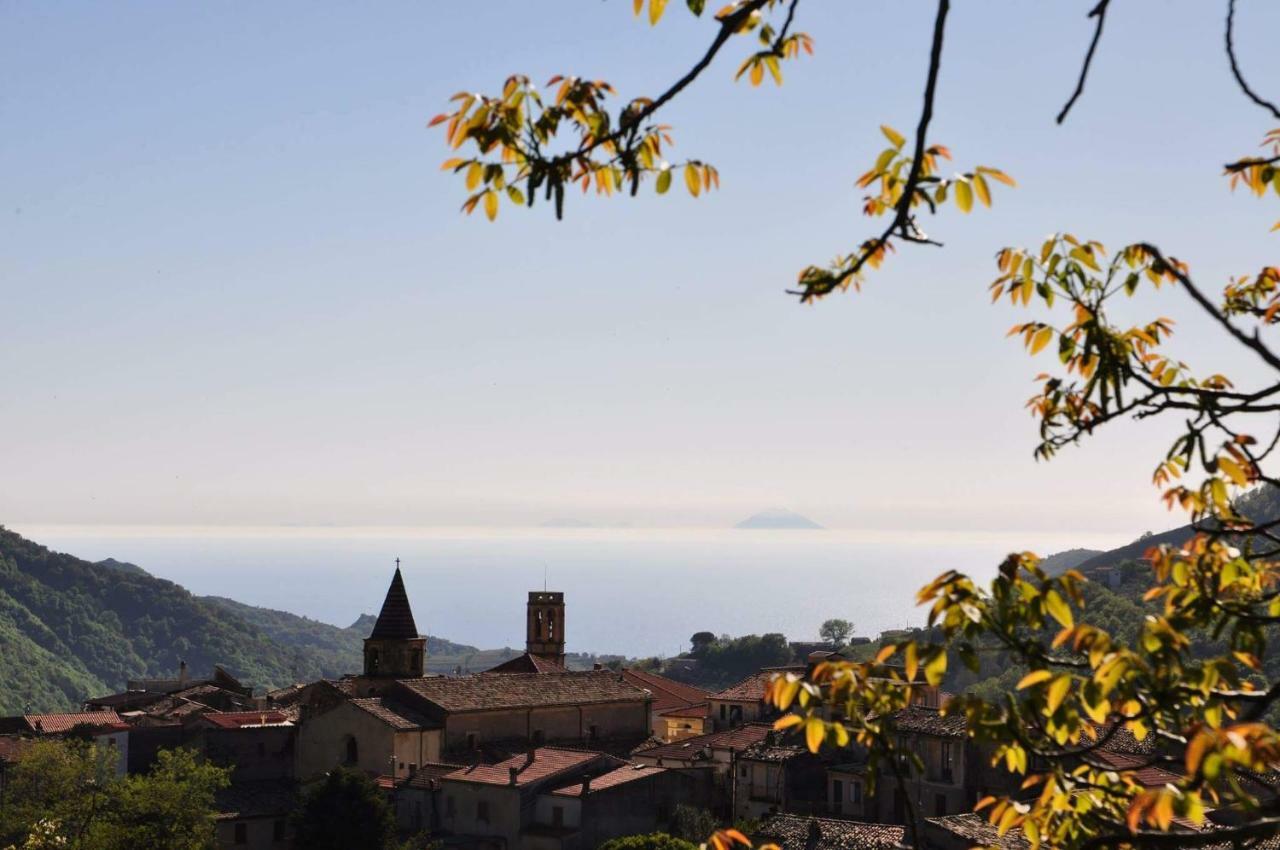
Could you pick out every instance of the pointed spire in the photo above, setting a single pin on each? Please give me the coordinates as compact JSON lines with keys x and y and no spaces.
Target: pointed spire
{"x":395,"y":622}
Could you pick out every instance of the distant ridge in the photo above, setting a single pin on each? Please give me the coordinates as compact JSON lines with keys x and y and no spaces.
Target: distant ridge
{"x":778,"y":518}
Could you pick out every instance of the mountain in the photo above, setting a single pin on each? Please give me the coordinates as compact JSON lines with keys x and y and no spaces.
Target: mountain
{"x":777,"y":518}
{"x":1059,"y":562}
{"x":71,"y":629}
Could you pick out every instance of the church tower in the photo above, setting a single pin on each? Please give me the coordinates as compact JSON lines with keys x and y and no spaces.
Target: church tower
{"x":544,"y":632}
{"x":395,"y":650}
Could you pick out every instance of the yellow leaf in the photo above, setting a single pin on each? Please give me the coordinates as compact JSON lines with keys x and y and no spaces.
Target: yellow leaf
{"x":474,"y":173}
{"x":1233,"y":470}
{"x":1058,"y":609}
{"x":451,"y":163}
{"x":982,"y":190}
{"x":491,"y":204}
{"x":1035,"y":677}
{"x":787,"y":721}
{"x":964,"y":195}
{"x":692,"y":179}
{"x":912,"y":662}
{"x":814,"y":732}
{"x":935,"y":668}
{"x":1041,"y":339}
{"x":893,"y":135}
{"x":656,"y":8}
{"x":1058,"y":692}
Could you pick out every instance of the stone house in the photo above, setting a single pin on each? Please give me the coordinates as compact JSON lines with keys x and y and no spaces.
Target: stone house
{"x":377,"y":735}
{"x":744,"y":701}
{"x":678,"y":710}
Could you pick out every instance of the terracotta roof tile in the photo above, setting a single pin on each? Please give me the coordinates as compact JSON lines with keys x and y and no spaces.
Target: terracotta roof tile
{"x":687,"y":749}
{"x":794,"y":832}
{"x":53,"y":724}
{"x":546,"y":762}
{"x":976,"y":829}
{"x":429,"y":774}
{"x":393,"y":714}
{"x":667,"y":693}
{"x":618,"y":776}
{"x":527,"y":663}
{"x":702,"y":709}
{"x":265,"y":798}
{"x":520,"y":690}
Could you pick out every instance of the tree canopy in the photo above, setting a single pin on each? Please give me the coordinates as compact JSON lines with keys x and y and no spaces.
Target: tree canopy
{"x":346,"y":811}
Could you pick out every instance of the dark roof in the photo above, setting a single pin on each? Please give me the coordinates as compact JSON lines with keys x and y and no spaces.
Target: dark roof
{"x":395,"y":622}
{"x":667,"y":693}
{"x":976,"y":830}
{"x":794,"y":832}
{"x":688,"y":749}
{"x":428,"y":775}
{"x":393,"y":714}
{"x":262,"y":799}
{"x":527,"y":663}
{"x":773,"y":752}
{"x":483,"y":692}
{"x":930,"y":721}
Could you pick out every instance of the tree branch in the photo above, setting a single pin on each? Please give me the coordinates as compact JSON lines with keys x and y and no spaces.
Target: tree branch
{"x":1235,"y":66}
{"x":1099,"y":12}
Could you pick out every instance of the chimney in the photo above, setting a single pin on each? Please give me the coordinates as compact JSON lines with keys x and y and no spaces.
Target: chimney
{"x":513,"y":773}
{"x":586,"y":785}
{"x":597,"y":666}
{"x":530,"y":756}
{"x":182,"y":674}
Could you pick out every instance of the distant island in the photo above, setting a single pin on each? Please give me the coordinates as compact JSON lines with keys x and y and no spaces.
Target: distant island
{"x":777,"y":518}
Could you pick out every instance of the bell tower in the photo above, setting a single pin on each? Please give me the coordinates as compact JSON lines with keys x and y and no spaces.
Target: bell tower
{"x":544,"y":632}
{"x":395,"y":650}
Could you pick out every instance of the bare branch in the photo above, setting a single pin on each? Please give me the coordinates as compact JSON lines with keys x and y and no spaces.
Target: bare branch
{"x":1099,"y":12}
{"x":1235,"y":66}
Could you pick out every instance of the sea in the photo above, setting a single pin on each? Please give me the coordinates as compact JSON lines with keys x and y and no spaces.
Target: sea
{"x":628,"y":591}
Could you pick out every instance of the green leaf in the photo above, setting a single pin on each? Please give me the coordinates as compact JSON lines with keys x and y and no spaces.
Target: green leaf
{"x":696,"y":6}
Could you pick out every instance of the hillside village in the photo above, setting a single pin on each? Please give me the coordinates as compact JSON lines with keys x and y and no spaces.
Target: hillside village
{"x":529,"y":754}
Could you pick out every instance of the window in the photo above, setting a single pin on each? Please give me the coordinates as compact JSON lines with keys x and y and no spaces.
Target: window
{"x":277,"y":830}
{"x":724,"y":711}
{"x":413,"y":767}
{"x":373,"y":661}
{"x":471,"y":740}
{"x":353,"y":750}
{"x":944,"y":761}
{"x":242,"y":833}
{"x":594,"y":732}
{"x":837,"y":790}
{"x":855,"y":792}
{"x":450,"y":807}
{"x":940,"y":804}
{"x":537,"y":736}
{"x":557,"y":815}
{"x":482,"y":811}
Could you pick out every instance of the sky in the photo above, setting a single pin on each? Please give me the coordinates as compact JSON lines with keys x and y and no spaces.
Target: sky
{"x":238,"y":290}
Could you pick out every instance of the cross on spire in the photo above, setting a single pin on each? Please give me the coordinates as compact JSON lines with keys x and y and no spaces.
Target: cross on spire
{"x":397,"y":563}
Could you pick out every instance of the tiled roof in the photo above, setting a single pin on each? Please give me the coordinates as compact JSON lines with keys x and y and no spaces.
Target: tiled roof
{"x":521,"y":690}
{"x":429,"y":774}
{"x":546,"y":762}
{"x":393,"y":714}
{"x":52,"y":724}
{"x":753,"y":687}
{"x":265,"y":798}
{"x":618,"y":776}
{"x":977,"y":830}
{"x":247,"y":719}
{"x":687,"y":749}
{"x":395,"y":621}
{"x":929,"y":721}
{"x":527,"y":663}
{"x":794,"y":832}
{"x":701,"y":709}
{"x":766,"y":751}
{"x":1149,"y":776}
{"x":667,"y":693}
{"x":1122,"y":740}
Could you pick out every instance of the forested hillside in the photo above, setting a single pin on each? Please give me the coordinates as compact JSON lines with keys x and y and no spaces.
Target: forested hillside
{"x":71,"y":629}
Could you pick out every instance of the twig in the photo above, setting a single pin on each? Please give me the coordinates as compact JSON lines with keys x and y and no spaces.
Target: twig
{"x":1099,"y":12}
{"x":1235,"y":67}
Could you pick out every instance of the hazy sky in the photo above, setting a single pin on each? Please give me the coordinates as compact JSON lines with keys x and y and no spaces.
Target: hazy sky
{"x":237,"y":289}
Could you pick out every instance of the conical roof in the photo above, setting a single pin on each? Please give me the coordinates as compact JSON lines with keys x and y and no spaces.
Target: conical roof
{"x":395,"y":622}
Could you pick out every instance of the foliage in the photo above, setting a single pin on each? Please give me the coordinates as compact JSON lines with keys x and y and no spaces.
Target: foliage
{"x":835,"y":631}
{"x":66,"y":794}
{"x":727,"y":660}
{"x":652,"y":841}
{"x":345,"y":811}
{"x":691,"y":823}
